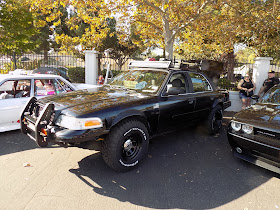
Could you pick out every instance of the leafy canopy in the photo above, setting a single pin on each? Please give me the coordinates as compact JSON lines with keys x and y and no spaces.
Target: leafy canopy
{"x":16,"y":26}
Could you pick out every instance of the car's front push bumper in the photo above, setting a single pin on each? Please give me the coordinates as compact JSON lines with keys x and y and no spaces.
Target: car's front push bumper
{"x":37,"y":121}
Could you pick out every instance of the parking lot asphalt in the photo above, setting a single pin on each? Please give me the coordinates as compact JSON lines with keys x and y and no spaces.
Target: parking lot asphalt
{"x":183,"y":170}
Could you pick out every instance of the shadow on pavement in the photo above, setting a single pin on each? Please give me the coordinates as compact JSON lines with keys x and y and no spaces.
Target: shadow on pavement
{"x":185,"y":170}
{"x":15,"y":141}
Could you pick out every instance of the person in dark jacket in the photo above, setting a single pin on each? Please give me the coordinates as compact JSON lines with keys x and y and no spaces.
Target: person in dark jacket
{"x":269,"y":82}
{"x":246,"y":87}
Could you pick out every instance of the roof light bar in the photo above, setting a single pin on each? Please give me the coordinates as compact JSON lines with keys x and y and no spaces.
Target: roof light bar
{"x":149,"y":64}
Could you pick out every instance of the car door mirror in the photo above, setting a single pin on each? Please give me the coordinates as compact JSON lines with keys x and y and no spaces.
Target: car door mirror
{"x":164,"y":93}
{"x":255,"y":97}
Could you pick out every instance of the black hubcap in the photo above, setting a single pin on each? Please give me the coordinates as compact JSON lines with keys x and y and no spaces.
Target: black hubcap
{"x":131,"y":147}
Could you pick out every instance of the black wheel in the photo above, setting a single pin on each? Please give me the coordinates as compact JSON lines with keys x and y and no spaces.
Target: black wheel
{"x":126,"y":145}
{"x":214,"y":120}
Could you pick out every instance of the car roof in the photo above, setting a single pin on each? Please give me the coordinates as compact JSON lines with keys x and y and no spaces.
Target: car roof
{"x":50,"y":68}
{"x":149,"y":69}
{"x":157,"y":66}
{"x":166,"y":70}
{"x":27,"y":76}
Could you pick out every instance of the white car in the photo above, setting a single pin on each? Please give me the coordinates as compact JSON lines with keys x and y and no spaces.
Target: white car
{"x":16,"y":90}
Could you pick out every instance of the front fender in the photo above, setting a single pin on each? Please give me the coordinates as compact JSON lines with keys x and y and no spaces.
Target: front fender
{"x":126,"y":114}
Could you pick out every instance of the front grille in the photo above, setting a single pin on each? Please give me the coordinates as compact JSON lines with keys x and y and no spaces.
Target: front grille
{"x":266,"y":134}
{"x":266,"y":137}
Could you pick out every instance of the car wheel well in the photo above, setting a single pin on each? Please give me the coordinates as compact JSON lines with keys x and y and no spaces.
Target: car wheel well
{"x":218,"y":103}
{"x":142,"y":119}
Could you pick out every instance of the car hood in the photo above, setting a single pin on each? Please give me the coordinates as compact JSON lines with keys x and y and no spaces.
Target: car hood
{"x":260,"y":115}
{"x":93,"y":100}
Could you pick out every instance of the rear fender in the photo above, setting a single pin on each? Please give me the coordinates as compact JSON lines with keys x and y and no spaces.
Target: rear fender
{"x":218,"y":102}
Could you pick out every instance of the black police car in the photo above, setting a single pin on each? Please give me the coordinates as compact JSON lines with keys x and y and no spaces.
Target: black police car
{"x":149,"y":99}
{"x":254,"y":133}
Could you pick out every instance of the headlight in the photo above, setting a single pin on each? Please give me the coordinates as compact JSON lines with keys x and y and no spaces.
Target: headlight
{"x":236,"y":126}
{"x":74,"y":123}
{"x":247,"y":129}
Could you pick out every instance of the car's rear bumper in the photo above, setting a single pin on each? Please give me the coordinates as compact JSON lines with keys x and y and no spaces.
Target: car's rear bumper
{"x":227,"y":104}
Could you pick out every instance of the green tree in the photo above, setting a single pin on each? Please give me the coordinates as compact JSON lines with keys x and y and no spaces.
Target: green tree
{"x":83,"y":25}
{"x":16,"y":27}
{"x":119,"y":50}
{"x":161,"y":22}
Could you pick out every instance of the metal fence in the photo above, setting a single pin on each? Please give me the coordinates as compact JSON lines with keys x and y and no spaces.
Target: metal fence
{"x":57,"y":59}
{"x":242,"y":68}
{"x":33,"y":61}
{"x":10,"y":62}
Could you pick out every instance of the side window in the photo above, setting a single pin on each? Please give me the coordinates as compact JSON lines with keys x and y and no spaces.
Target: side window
{"x":44,"y":87}
{"x":6,"y":90}
{"x":64,"y":85}
{"x":176,"y":85}
{"x":15,"y":89}
{"x":200,"y":83}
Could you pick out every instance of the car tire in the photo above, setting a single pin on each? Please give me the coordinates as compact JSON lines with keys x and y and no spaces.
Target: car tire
{"x":214,"y":120}
{"x":126,"y":145}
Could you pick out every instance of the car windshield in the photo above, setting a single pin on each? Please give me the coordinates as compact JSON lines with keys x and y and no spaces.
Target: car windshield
{"x":140,"y":80}
{"x":272,"y":96}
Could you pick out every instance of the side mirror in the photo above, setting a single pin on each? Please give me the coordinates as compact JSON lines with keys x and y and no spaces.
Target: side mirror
{"x":255,"y":97}
{"x":165,"y":93}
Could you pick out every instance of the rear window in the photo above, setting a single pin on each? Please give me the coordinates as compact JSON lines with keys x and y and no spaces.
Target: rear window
{"x":200,"y":83}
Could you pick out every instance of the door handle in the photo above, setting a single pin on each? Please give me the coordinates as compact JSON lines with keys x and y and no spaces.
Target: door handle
{"x":191,"y":100}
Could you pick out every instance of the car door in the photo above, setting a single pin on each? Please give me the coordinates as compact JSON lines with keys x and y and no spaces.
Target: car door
{"x":15,"y":94}
{"x":176,"y":104}
{"x":203,"y":93}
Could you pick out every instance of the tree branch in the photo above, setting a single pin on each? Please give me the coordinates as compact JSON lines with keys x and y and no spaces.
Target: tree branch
{"x":151,"y":5}
{"x":150,"y":23}
{"x":177,"y":29}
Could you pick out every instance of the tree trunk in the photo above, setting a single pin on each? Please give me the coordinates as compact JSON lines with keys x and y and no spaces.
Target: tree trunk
{"x":45,"y":56}
{"x":229,"y":62}
{"x":168,"y":40}
{"x":169,"y":49}
{"x":15,"y":60}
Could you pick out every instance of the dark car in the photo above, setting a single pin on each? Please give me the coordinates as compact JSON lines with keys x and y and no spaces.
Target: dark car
{"x":57,"y":70}
{"x":254,"y":133}
{"x":122,"y":116}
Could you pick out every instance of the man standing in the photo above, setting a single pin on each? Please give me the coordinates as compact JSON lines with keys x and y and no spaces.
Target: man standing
{"x":269,"y":82}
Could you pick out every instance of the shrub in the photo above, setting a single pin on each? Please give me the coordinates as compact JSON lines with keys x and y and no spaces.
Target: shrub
{"x":224,"y":83}
{"x":114,"y":72}
{"x":76,"y":74}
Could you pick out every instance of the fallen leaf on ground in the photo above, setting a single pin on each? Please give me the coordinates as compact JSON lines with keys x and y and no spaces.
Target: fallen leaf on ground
{"x":26,"y":165}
